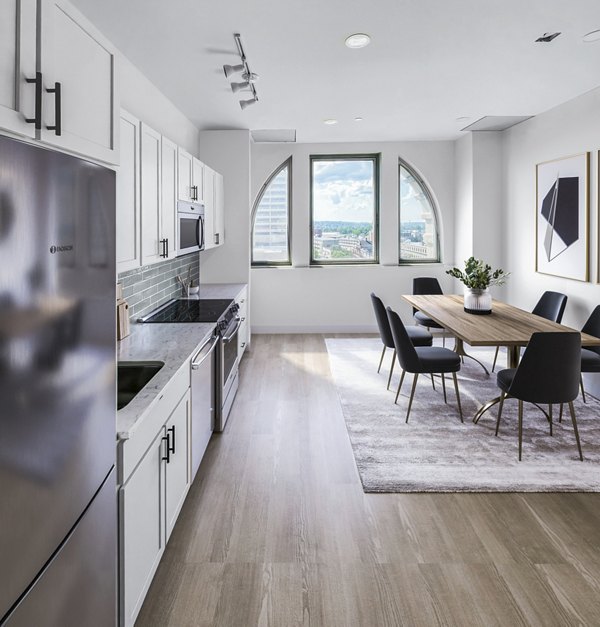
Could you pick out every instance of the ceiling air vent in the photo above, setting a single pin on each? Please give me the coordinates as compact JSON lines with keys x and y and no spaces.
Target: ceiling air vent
{"x":496,"y":122}
{"x":268,"y":136}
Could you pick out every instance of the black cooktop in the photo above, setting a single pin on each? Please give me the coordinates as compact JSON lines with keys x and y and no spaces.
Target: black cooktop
{"x":209,"y":310}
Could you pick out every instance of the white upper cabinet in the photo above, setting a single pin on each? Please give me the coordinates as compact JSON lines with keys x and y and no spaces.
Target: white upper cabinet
{"x":128,"y":195}
{"x":209,"y":208}
{"x":79,"y":83}
{"x":219,"y":210}
{"x":185,"y":189}
{"x":151,"y":156}
{"x":17,"y":66}
{"x":168,"y":198}
{"x":198,"y":179}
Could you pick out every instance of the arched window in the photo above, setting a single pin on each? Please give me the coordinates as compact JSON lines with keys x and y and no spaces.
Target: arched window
{"x":419,"y":234}
{"x":271,"y":219}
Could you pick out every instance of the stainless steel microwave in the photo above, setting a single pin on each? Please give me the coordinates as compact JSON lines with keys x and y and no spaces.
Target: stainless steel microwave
{"x":190,"y":227}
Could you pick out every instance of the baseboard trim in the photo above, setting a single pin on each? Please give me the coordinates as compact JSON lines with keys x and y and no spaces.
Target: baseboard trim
{"x":320,"y":328}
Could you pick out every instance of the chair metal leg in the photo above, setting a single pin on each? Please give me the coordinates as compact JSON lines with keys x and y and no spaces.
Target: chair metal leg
{"x":432,"y":381}
{"x":412,"y":394}
{"x":444,"y":388}
{"x":391,"y":369}
{"x":560,"y":413}
{"x":495,"y":358}
{"x":399,"y":386}
{"x":574,"y":420}
{"x":500,"y":406}
{"x":520,"y":428}
{"x":582,"y":390}
{"x":457,"y":396}
{"x":550,"y":417}
{"x":443,"y":338}
{"x":381,"y":360}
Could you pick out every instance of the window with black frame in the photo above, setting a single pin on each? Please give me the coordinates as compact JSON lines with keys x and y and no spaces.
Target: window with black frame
{"x":271,"y":219}
{"x":418,"y":235}
{"x":344,"y":209}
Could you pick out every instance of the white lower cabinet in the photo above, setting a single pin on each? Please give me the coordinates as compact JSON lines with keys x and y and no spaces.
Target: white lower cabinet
{"x":151,"y":497}
{"x":243,"y":334}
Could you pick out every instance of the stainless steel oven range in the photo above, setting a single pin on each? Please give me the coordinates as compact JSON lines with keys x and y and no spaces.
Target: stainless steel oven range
{"x":224,"y":313}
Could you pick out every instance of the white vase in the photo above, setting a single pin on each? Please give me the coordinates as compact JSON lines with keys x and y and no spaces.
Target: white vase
{"x":477,"y":301}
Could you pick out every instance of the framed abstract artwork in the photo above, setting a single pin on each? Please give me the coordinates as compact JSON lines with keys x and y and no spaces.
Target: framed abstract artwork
{"x":562,"y":217}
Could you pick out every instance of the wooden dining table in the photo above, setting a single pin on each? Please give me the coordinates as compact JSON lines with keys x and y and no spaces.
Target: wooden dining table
{"x":506,"y":326}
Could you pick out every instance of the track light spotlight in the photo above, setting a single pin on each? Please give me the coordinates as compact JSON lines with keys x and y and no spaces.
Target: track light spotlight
{"x":233,"y":69}
{"x":247,"y":103}
{"x":235,"y":87}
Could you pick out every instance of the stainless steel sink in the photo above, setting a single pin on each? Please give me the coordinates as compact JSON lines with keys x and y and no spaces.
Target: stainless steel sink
{"x":132,"y":377}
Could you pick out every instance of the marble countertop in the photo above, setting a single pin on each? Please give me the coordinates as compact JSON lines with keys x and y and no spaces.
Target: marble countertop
{"x":219,"y":290}
{"x":170,"y":343}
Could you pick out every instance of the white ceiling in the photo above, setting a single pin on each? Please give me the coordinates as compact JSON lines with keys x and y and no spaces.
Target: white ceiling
{"x":429,"y":62}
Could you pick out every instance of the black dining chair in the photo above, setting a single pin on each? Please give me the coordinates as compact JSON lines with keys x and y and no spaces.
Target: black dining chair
{"x":550,"y":306}
{"x":422,"y":360}
{"x":418,"y":336}
{"x":590,"y":357}
{"x":426,"y":286}
{"x":548,"y":374}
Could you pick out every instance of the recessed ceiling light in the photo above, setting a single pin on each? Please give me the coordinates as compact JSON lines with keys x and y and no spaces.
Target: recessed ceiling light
{"x":330,"y":121}
{"x":358,"y":40}
{"x":358,"y":119}
{"x":592,"y":36}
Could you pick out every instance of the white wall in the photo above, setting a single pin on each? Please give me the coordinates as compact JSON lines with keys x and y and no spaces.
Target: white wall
{"x":571,"y":128}
{"x":141,"y":98}
{"x":228,"y":152}
{"x":463,"y":197}
{"x":336,"y":298}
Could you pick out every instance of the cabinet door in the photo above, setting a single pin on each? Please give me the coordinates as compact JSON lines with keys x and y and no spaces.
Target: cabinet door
{"x":168,"y":186}
{"x":178,"y":465}
{"x":198,"y":178}
{"x":150,"y":196}
{"x":17,"y":63}
{"x":141,"y":528}
{"x":219,"y":211}
{"x":184,"y":175}
{"x":128,"y":195}
{"x":75,"y":56}
{"x":209,"y":208}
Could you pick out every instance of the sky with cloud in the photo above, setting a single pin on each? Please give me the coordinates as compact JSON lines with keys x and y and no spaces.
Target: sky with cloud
{"x":343,"y":191}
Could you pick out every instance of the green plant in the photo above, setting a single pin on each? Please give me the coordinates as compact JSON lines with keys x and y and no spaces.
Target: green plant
{"x":479,"y":275}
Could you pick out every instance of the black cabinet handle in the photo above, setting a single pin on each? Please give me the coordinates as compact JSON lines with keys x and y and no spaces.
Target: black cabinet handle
{"x":37,"y":120}
{"x":217,"y":239}
{"x":165,"y":250}
{"x":167,"y":450}
{"x":171,"y":448}
{"x":57,"y":126}
{"x":167,"y":245}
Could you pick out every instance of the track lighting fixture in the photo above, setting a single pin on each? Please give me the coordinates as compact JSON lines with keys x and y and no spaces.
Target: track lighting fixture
{"x":248,"y":77}
{"x":233,"y":69}
{"x":235,"y":87}
{"x":247,"y":103}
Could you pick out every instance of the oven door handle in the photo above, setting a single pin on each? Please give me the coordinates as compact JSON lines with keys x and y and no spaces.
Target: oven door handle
{"x":197,"y":362}
{"x":229,"y":335}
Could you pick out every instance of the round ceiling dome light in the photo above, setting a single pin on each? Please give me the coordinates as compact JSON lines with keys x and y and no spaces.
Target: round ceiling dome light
{"x":358,"y":119}
{"x":330,"y":121}
{"x":358,"y":40}
{"x":592,"y":36}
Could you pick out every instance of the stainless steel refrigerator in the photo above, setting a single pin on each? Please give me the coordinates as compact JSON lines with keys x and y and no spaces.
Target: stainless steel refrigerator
{"x":58,"y":518}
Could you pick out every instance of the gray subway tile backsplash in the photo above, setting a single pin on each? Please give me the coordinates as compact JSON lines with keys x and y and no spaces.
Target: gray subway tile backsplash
{"x":150,"y":286}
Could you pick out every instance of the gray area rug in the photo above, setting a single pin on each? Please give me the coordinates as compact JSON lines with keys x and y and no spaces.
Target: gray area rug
{"x":435,"y":452}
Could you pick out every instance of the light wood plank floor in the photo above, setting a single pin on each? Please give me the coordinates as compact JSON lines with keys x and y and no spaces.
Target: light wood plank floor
{"x":276,"y":529}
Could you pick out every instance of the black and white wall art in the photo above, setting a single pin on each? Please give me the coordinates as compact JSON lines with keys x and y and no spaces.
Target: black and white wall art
{"x":562,"y":215}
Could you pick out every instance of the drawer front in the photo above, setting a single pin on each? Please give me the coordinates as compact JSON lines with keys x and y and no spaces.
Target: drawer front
{"x":131,"y":451}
